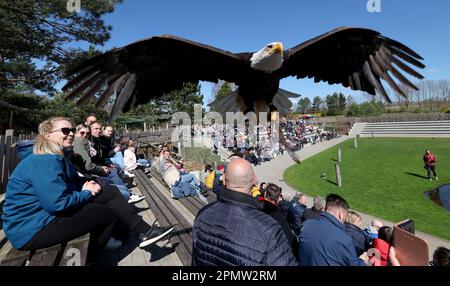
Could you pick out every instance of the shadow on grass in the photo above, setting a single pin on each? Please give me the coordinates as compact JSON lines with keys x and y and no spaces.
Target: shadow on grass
{"x":416,"y":175}
{"x":331,"y":182}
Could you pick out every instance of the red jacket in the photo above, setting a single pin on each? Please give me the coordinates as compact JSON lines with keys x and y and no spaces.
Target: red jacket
{"x":383,"y":250}
{"x":429,"y":159}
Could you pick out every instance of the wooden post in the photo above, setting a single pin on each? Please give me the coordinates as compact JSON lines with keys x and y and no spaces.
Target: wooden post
{"x":167,"y":125}
{"x":153,"y":128}
{"x":339,"y":154}
{"x":338,"y":176}
{"x":145,"y":126}
{"x":215,"y":165}
{"x":372,"y":134}
{"x":179,"y":147}
{"x":9,"y":132}
{"x":355,"y":143}
{"x":126,"y":129}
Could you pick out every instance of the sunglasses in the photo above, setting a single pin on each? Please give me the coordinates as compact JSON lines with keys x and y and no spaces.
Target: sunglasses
{"x":82,"y":133}
{"x":65,"y":130}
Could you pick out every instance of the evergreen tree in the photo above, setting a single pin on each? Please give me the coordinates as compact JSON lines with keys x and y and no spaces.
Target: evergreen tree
{"x":35,"y":38}
{"x":160,"y":110}
{"x":332,"y":102}
{"x":224,"y":91}
{"x":317,"y":104}
{"x":304,"y":105}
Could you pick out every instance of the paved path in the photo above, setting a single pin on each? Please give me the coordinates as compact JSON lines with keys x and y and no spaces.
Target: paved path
{"x":273,"y":170}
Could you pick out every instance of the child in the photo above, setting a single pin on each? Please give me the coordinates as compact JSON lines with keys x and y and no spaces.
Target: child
{"x":382,"y":244}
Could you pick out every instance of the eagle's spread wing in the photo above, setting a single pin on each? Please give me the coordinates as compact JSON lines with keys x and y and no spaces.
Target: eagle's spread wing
{"x":149,"y":68}
{"x":354,"y":57}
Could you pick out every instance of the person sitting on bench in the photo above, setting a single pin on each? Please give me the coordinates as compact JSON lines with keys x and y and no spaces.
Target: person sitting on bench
{"x":46,"y":203}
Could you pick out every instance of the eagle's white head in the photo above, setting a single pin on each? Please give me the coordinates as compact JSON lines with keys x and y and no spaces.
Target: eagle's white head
{"x":269,"y":58}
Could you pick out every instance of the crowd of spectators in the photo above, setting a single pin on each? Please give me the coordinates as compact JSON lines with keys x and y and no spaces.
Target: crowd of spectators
{"x":260,"y":143}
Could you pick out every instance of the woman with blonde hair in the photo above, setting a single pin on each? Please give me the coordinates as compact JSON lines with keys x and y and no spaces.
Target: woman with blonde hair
{"x":47,"y":204}
{"x":353,"y":229}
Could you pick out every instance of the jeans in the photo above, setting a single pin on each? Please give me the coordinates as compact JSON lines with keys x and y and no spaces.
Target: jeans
{"x":431,"y":169}
{"x":117,"y":159}
{"x":115,"y":180}
{"x":143,"y":162}
{"x":190,"y":179}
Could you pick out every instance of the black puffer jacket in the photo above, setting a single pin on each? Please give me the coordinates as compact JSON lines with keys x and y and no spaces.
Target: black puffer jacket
{"x":234,"y":231}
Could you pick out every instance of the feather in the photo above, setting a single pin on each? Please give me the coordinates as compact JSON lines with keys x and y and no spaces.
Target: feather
{"x":406,"y":57}
{"x":374,"y":81}
{"x":74,"y":93}
{"x":357,"y":80}
{"x":406,"y":68}
{"x":116,"y":86}
{"x":123,"y":97}
{"x":402,"y":78}
{"x":91,"y":92}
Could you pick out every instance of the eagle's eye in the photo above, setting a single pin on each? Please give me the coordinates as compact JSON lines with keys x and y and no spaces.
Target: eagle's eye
{"x":269,"y":47}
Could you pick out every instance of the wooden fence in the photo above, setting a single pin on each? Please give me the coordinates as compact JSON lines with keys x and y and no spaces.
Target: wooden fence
{"x":9,"y":157}
{"x":155,"y":137}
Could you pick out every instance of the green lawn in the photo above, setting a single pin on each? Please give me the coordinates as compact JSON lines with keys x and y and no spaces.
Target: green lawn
{"x":384,"y":177}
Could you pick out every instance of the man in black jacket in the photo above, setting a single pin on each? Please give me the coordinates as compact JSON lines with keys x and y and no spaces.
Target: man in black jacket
{"x":315,"y":211}
{"x":234,"y":231}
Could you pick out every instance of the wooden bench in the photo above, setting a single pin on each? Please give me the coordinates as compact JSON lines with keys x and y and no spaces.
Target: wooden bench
{"x":72,"y":253}
{"x":167,"y":214}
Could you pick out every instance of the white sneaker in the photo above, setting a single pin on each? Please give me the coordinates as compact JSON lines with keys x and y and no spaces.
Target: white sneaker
{"x":113,"y":244}
{"x":134,"y":198}
{"x":130,"y":175}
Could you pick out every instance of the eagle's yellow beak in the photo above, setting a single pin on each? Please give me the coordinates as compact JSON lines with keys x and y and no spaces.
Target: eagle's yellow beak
{"x":278,"y":48}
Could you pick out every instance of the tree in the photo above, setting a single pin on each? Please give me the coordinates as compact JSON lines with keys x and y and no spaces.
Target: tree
{"x":35,"y":50}
{"x":317,"y":104}
{"x":304,"y":105}
{"x":332,"y":102}
{"x":342,"y":103}
{"x":350,"y":100}
{"x":222,"y":89}
{"x":160,"y":110}
{"x":353,"y":110}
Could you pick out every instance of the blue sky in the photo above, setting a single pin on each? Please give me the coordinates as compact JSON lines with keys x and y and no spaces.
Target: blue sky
{"x":248,"y":25}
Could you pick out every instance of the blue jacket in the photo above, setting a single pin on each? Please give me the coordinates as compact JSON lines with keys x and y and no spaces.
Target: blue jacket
{"x":323,"y":242}
{"x":294,"y":215}
{"x":235,"y":232}
{"x":40,"y":187}
{"x":359,"y":237}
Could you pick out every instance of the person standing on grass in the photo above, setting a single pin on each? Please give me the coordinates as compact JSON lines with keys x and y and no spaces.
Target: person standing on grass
{"x":430,"y":164}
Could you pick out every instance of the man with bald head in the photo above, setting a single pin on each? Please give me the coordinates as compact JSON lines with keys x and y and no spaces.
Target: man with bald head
{"x":234,"y":231}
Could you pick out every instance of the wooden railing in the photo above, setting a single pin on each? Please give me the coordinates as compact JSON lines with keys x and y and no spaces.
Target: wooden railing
{"x":8,"y":157}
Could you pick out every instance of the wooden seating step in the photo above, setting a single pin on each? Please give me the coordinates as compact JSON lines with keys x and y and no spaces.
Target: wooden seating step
{"x":168,"y":215}
{"x":73,"y":253}
{"x":194,"y":204}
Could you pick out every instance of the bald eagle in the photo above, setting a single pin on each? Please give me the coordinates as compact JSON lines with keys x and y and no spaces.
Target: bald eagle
{"x":354,"y":57}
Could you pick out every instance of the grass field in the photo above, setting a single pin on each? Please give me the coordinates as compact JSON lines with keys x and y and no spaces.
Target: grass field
{"x":384,"y":177}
